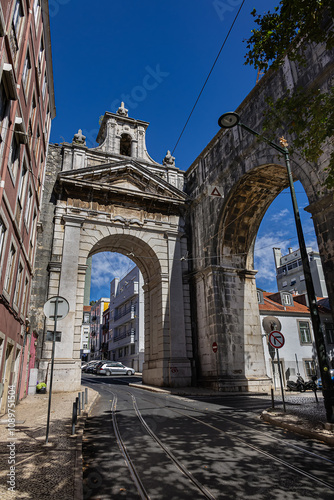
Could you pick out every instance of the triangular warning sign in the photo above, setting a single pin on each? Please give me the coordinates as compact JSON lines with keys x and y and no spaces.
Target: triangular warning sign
{"x":215,"y":192}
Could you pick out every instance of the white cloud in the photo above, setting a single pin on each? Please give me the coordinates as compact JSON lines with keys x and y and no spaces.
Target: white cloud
{"x":264,"y":258}
{"x":280,"y":215}
{"x":108,"y":265}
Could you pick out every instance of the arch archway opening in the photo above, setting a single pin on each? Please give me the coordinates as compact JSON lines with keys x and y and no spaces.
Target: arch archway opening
{"x":125,"y":145}
{"x":123,"y":271}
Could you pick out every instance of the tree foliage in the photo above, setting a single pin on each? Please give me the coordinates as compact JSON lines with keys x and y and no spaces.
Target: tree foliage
{"x":307,"y":113}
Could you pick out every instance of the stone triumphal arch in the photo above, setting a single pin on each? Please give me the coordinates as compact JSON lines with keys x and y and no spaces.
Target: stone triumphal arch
{"x":116,"y":198}
{"x":191,"y":233}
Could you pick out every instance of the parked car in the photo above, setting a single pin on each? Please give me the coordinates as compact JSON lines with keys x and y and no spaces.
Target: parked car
{"x":115,"y":368}
{"x":105,"y":365}
{"x":90,"y":365}
{"x":97,"y":366}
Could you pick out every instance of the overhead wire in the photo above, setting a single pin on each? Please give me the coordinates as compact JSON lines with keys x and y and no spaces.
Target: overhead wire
{"x":207,"y":78}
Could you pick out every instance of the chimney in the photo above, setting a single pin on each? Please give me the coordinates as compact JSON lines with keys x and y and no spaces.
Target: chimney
{"x":290,"y":249}
{"x":277,"y":256}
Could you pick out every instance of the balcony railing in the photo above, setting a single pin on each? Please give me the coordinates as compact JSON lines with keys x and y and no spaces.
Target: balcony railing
{"x":130,"y":333}
{"x":124,"y":311}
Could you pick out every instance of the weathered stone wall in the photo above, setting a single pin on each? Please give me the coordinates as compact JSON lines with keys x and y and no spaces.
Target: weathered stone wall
{"x":39,"y":294}
{"x":250,"y":174}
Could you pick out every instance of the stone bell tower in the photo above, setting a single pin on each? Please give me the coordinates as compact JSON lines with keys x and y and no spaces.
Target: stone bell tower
{"x":123,"y":136}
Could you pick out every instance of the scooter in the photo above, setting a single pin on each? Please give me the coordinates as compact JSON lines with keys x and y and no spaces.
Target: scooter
{"x":299,"y":385}
{"x":311,"y":385}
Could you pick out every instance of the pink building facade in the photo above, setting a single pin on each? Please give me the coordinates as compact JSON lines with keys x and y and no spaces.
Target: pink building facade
{"x":27,"y":107}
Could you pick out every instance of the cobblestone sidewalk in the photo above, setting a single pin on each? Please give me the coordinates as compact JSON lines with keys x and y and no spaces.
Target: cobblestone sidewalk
{"x":42,"y":471}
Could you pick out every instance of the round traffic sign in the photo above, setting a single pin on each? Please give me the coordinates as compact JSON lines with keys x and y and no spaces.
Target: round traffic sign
{"x":276,"y":339}
{"x":215,"y":347}
{"x":62,"y":308}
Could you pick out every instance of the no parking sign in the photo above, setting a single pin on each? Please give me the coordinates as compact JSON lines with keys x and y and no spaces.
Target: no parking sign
{"x":276,"y":339}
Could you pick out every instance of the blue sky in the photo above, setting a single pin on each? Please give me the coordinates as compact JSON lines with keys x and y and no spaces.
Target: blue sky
{"x":104,"y":52}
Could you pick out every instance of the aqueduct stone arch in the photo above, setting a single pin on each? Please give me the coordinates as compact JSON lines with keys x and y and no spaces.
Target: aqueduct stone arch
{"x":249,"y":174}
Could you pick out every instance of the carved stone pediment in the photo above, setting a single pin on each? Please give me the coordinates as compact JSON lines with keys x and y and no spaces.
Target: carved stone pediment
{"x":128,"y":178}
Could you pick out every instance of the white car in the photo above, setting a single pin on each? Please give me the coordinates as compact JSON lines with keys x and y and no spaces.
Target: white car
{"x":114,"y":368}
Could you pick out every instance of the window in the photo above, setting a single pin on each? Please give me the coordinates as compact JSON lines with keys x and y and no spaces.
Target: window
{"x":304,"y":332}
{"x":2,"y":237}
{"x":40,"y":56}
{"x":33,"y":236}
{"x":44,"y":85}
{"x":287,"y":299}
{"x":28,"y":207}
{"x":37,"y":144}
{"x":4,"y":105}
{"x":86,"y":317}
{"x":26,"y":73}
{"x":37,"y":5}
{"x":15,"y":32}
{"x":10,"y":269}
{"x":329,"y":331}
{"x":18,"y":285}
{"x":302,"y":278}
{"x":284,"y":283}
{"x":125,"y":145}
{"x":22,"y":184}
{"x":309,"y":367}
{"x":14,"y":158}
{"x":292,"y":265}
{"x":133,"y":349}
{"x":25,"y":296}
{"x":293,"y":281}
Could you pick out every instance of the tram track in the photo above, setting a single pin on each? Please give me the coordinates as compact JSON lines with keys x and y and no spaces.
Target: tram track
{"x":248,"y":427}
{"x":182,"y":408}
{"x":134,"y":473}
{"x":256,"y":448}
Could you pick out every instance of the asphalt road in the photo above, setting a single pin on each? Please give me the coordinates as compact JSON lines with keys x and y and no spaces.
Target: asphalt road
{"x":139,"y":444}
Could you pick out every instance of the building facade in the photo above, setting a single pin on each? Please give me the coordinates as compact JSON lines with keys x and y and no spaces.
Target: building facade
{"x":85,"y":334}
{"x":290,"y":274}
{"x":96,"y":329}
{"x":126,"y":326}
{"x":298,"y":354}
{"x":26,"y":109}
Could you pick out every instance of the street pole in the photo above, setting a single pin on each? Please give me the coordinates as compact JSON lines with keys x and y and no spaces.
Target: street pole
{"x":52,"y":363}
{"x":229,"y":120}
{"x":280,"y":379}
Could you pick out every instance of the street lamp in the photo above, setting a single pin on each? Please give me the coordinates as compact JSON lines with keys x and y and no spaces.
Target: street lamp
{"x":229,"y":120}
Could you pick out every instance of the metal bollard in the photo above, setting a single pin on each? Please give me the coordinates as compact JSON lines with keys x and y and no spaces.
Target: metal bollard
{"x":83,"y":400}
{"x":74,"y":417}
{"x":272,"y":398}
{"x":79,"y":403}
{"x":86,"y":396}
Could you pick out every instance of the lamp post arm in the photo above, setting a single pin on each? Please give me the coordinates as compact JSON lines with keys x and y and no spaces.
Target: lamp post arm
{"x":272,"y":144}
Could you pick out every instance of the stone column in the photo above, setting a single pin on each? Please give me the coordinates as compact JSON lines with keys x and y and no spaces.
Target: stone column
{"x":227,"y":317}
{"x":67,"y":372}
{"x":179,"y":364}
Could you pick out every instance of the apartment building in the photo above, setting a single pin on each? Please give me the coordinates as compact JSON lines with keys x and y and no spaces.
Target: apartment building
{"x":126,"y":321}
{"x":97,"y":332}
{"x":27,"y":107}
{"x":290,"y":274}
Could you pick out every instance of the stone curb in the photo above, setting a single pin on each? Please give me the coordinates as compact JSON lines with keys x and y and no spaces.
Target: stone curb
{"x":311,"y":433}
{"x":187,"y":391}
{"x":78,"y":460}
